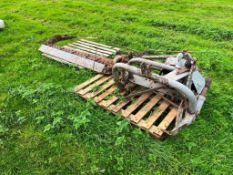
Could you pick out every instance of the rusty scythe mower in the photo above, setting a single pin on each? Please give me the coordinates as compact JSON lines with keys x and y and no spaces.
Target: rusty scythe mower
{"x":161,"y":93}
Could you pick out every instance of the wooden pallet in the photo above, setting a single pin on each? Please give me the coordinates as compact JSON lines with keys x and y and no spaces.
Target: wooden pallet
{"x":149,"y":111}
{"x":92,"y":48}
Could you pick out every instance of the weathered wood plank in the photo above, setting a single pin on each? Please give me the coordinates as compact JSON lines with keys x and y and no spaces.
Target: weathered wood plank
{"x":105,"y":94}
{"x":168,"y":119}
{"x":86,"y":83}
{"x":98,"y":44}
{"x":105,"y":86}
{"x":156,"y":114}
{"x":88,"y":50}
{"x":59,"y":60}
{"x":99,"y":47}
{"x":134,"y":106}
{"x":118,"y":107}
{"x":153,"y":101}
{"x":106,"y":103}
{"x":155,"y":131}
{"x":97,"y":83}
{"x":158,"y":131}
{"x":80,"y":45}
{"x":75,"y":49}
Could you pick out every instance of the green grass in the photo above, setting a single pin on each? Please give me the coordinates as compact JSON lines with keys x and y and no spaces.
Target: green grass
{"x":46,"y":129}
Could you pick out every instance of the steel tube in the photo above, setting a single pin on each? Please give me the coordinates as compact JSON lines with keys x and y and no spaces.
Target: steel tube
{"x":152,"y":63}
{"x":172,"y":83}
{"x":157,"y":56}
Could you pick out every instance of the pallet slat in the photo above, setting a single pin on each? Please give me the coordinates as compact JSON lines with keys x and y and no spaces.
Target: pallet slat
{"x":88,"y":50}
{"x":99,"y":47}
{"x":158,"y":131}
{"x":149,"y":122}
{"x":117,"y":108}
{"x":136,"y":118}
{"x":98,"y":44}
{"x":75,"y":49}
{"x":93,"y":94}
{"x":168,"y":119}
{"x":93,"y":48}
{"x":134,"y":106}
{"x":106,"y":103}
{"x":89,"y":88}
{"x":105,"y":94}
{"x":86,"y":83}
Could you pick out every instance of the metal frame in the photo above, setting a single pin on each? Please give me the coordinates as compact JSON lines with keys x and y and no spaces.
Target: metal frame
{"x":152,"y":80}
{"x":178,"y":77}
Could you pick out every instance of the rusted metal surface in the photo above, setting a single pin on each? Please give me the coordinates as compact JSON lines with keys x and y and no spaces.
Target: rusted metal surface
{"x":151,"y":63}
{"x":140,"y":92}
{"x":74,"y":59}
{"x":104,"y":60}
{"x":57,"y":38}
{"x":151,"y":57}
{"x":85,"y":51}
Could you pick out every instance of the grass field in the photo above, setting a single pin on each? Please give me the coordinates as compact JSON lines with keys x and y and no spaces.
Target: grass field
{"x":46,"y":129}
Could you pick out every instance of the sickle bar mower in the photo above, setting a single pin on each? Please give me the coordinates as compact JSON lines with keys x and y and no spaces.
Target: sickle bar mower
{"x":159,"y":94}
